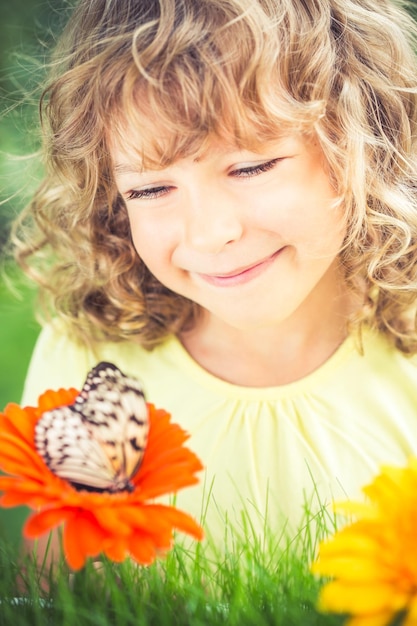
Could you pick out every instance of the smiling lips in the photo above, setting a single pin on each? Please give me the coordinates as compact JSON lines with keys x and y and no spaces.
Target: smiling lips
{"x":241,"y":276}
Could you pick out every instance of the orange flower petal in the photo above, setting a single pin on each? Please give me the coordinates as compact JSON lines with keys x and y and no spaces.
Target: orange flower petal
{"x":165,"y":480}
{"x":111,"y":523}
{"x":184,"y":522}
{"x":167,"y":465}
{"x":18,"y":458}
{"x":160,"y":519}
{"x":150,"y":521}
{"x":17,"y":421}
{"x":83,"y":537}
{"x":112,"y":520}
{"x":28,"y":494}
{"x":54,"y":399}
{"x":163,"y":435}
{"x":142,"y":549}
{"x":44,"y":521}
{"x":117,"y":549}
{"x":73,"y":547}
{"x":91,"y":537}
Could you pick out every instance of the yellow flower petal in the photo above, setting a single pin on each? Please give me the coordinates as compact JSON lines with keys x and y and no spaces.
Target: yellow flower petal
{"x":340,"y":597}
{"x":346,"y":542}
{"x":411,"y":619}
{"x":353,"y":569}
{"x":374,"y":560}
{"x":379,"y":619}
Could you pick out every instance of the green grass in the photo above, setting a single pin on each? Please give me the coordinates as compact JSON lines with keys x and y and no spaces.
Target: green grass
{"x":245,"y":587}
{"x":18,"y":332}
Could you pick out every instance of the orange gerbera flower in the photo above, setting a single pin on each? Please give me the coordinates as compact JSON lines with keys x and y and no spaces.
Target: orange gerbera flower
{"x":373,"y":561}
{"x":116,"y":524}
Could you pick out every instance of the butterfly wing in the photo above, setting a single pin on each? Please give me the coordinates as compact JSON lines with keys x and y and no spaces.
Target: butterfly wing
{"x":66,"y":446}
{"x":115,"y":411}
{"x":100,"y":440}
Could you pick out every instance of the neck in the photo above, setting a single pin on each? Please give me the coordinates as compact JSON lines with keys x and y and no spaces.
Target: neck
{"x":274,"y":355}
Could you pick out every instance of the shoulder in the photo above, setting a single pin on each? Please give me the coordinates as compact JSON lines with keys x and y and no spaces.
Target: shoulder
{"x":377,"y":381}
{"x":59,"y":360}
{"x":384,"y":358}
{"x":56,"y":362}
{"x":372,"y":360}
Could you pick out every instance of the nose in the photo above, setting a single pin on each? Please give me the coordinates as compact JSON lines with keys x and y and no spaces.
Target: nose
{"x":213,"y":220}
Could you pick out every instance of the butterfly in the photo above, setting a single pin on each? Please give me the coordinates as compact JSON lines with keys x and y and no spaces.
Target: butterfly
{"x":97,"y":443}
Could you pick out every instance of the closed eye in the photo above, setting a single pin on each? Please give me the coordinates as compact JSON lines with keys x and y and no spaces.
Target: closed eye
{"x":254,"y":170}
{"x":149,"y":193}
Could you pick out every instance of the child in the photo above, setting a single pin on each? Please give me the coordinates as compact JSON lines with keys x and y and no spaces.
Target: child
{"x":229,"y":213}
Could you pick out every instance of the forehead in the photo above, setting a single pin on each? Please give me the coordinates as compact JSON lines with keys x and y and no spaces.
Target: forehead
{"x":216,"y":153}
{"x":135,"y":145}
{"x":139,"y":157}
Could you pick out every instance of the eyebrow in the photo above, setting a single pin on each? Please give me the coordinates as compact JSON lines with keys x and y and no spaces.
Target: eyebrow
{"x":125,"y":168}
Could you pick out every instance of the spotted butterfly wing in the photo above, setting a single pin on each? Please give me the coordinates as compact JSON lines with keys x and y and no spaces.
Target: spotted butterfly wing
{"x":98,"y":442}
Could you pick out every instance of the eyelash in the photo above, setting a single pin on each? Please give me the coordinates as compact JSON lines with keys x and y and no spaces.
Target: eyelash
{"x":244,"y":172}
{"x":255,"y":170}
{"x":148,"y":194}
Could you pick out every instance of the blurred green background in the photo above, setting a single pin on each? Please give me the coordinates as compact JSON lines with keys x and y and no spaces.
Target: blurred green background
{"x":27,"y":29}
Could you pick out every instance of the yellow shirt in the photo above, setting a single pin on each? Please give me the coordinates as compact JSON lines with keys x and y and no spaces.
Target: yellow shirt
{"x":267,"y":451}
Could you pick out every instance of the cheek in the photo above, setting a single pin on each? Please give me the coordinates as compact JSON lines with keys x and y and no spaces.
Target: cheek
{"x":328,"y":233}
{"x":314,"y":223}
{"x":136,"y":233}
{"x":151,"y":241}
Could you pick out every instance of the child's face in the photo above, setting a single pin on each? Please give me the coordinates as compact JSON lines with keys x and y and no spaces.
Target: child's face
{"x":248,"y":236}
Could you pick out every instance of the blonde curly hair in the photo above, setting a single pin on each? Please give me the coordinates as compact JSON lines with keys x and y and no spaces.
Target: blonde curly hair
{"x":244,"y":71}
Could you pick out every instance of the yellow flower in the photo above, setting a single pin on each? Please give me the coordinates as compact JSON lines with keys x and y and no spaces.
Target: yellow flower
{"x":373,"y":561}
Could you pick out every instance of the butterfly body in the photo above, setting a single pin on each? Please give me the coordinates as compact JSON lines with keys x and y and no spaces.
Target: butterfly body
{"x":97,"y":443}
